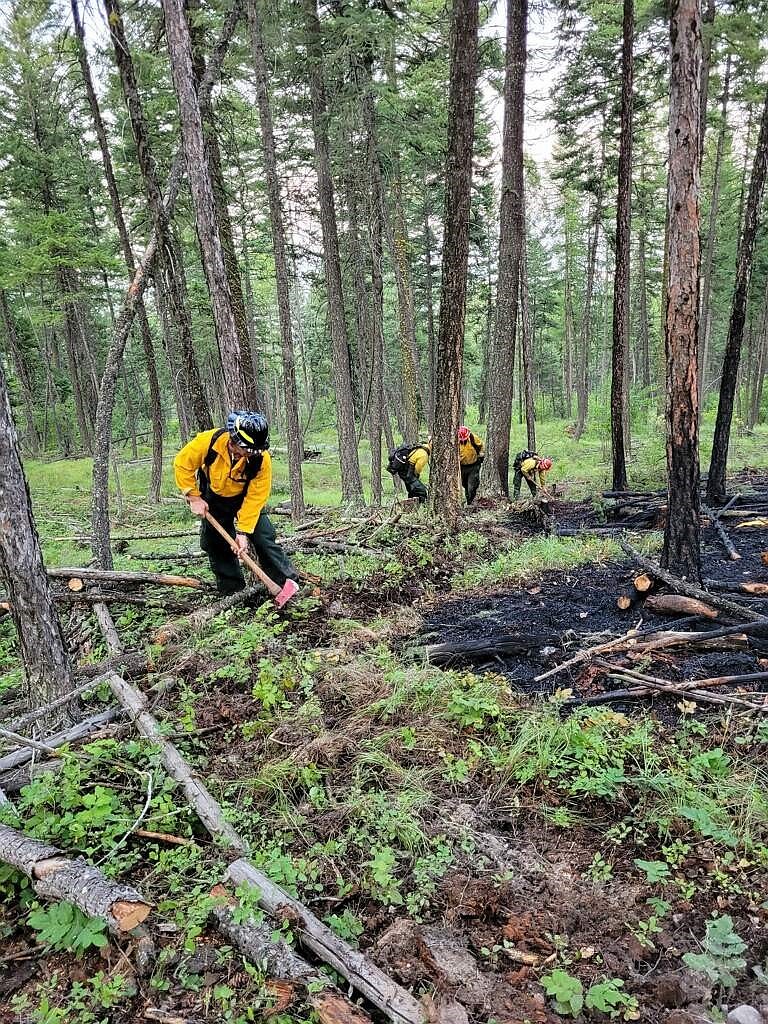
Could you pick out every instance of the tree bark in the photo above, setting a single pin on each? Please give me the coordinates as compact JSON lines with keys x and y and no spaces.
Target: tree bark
{"x":44,"y":657}
{"x":707,"y":32}
{"x":156,"y":412}
{"x":100,"y":492}
{"x":444,"y":473}
{"x":642,"y":310}
{"x":585,"y":329}
{"x":526,"y":337}
{"x":568,"y":325}
{"x":682,"y":549}
{"x":705,"y":315}
{"x":620,"y":349}
{"x":761,"y":364}
{"x":376,"y":233}
{"x":431,"y":339}
{"x":744,"y":259}
{"x":293,"y":427}
{"x":511,"y":234}
{"x":351,"y":482}
{"x":22,"y":370}
{"x":239,"y":388}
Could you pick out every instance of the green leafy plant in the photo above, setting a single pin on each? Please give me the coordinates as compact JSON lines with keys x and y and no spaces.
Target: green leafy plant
{"x":655,"y":870}
{"x":64,"y":926}
{"x":565,"y":991}
{"x":608,"y":997}
{"x":721,"y":953}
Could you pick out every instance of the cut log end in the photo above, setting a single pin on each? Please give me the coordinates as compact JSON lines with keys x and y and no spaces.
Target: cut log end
{"x":643,"y":582}
{"x":624,"y":601}
{"x":333,"y":1008}
{"x":129,"y":915}
{"x":75,"y":584}
{"x":764,"y":557}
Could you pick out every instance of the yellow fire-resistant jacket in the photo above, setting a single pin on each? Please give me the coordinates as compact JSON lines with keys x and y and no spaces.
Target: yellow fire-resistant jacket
{"x":225,"y":476}
{"x":470,"y":450}
{"x":529,"y":471}
{"x":419,"y":457}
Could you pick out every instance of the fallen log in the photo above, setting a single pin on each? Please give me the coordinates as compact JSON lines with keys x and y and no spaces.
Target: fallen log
{"x":471,"y":650}
{"x":79,"y":731}
{"x":112,"y":576}
{"x":278,"y":960}
{"x":678,"y":604}
{"x":745,"y":587}
{"x":58,"y":877}
{"x":198,"y":618}
{"x":639,"y":691}
{"x":692,"y":693}
{"x":761,"y":523}
{"x":689,"y":589}
{"x":725,"y":540}
{"x":393,"y":1000}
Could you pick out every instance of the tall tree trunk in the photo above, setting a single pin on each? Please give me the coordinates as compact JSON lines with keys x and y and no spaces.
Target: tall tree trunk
{"x":376,"y":405}
{"x":444,"y":474}
{"x":511,"y":234}
{"x":351,"y":482}
{"x":568,"y":326}
{"x":22,"y":371}
{"x":718,"y":463}
{"x":44,"y":655}
{"x":100,"y":488}
{"x":169,"y":250}
{"x":682,"y":550}
{"x":239,"y":387}
{"x":705,"y":316}
{"x":585,"y":329}
{"x":223,"y":219}
{"x":431,"y":340}
{"x":293,"y":427}
{"x":642,"y":310}
{"x":620,"y":349}
{"x":526,"y":337}
{"x":125,"y":243}
{"x":354,"y":181}
{"x":707,"y":33}
{"x":761,"y":364}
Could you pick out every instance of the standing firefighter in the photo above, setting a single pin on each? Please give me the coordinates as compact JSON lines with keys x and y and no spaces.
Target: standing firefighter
{"x":228,"y":472}
{"x":532,"y":467}
{"x":471,"y":455}
{"x":408,"y":462}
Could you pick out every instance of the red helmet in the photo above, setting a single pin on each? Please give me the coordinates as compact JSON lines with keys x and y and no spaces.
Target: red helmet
{"x":463,"y":433}
{"x":545,"y":464}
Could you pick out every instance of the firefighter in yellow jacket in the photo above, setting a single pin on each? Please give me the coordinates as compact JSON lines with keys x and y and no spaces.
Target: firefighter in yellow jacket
{"x":228,"y":472}
{"x":530,"y":467}
{"x":471,"y":455}
{"x":408,"y":462}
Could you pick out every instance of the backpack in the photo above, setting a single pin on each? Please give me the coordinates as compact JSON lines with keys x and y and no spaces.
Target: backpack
{"x":252,"y":466}
{"x":398,"y":457}
{"x":521,"y":457}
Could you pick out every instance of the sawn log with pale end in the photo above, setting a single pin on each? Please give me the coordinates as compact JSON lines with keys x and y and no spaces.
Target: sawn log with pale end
{"x":72,"y":573}
{"x":58,"y":877}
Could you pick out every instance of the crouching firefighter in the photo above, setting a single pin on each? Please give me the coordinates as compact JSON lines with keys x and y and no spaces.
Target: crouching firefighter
{"x":531,"y":467}
{"x":228,"y":472}
{"x":471,"y":455}
{"x":408,"y":462}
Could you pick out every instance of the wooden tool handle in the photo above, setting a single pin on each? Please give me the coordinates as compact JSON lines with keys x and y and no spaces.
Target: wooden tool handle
{"x":257,"y":571}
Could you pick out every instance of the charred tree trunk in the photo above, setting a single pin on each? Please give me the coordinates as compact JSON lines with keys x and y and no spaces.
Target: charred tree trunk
{"x":293,"y":427}
{"x":444,"y":474}
{"x":705,"y":316}
{"x":511,"y":235}
{"x":682,"y":550}
{"x":238,"y":387}
{"x":44,"y":655}
{"x":351,"y":482}
{"x":620,"y":349}
{"x":718,"y":463}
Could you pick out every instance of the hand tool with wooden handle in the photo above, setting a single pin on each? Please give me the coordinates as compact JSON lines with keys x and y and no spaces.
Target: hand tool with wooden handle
{"x":281,"y":594}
